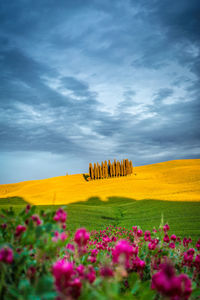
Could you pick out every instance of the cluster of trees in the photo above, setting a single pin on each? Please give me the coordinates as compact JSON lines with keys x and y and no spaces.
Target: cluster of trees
{"x":108,"y":169}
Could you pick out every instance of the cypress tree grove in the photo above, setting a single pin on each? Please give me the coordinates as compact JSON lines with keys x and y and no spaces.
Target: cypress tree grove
{"x":109,"y":169}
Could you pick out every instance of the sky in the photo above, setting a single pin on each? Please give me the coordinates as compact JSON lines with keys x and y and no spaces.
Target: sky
{"x":86,"y":81}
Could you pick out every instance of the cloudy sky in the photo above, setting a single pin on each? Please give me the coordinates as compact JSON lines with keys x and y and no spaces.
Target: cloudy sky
{"x":89,"y":80}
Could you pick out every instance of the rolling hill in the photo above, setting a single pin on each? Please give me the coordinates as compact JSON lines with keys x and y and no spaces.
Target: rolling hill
{"x":177,"y":180}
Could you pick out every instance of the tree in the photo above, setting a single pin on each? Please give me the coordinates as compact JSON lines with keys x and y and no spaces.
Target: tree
{"x":91,"y":173}
{"x":102,"y":170}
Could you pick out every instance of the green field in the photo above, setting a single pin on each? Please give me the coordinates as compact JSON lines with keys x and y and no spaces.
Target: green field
{"x":183,"y":217}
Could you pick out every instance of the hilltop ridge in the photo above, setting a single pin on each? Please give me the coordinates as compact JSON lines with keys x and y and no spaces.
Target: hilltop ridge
{"x":177,"y":180}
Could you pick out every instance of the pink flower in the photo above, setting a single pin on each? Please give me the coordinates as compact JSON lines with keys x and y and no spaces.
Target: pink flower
{"x":197,"y":262}
{"x":70,"y":247}
{"x":171,"y":245}
{"x":188,"y":257}
{"x":59,"y":236}
{"x":168,"y":284}
{"x":147,"y":236}
{"x":62,"y":272}
{"x":66,"y":283}
{"x":173,"y":237}
{"x":19,"y":230}
{"x":138,"y":264}
{"x":134,"y":229}
{"x":166,"y":227}
{"x":91,"y":275}
{"x":74,"y":289}
{"x":80,"y":269}
{"x":81,"y":237}
{"x":198,"y":245}
{"x":122,"y":252}
{"x":4,"y":225}
{"x":6,"y":255}
{"x":166,"y":238}
{"x":36,"y":220}
{"x":63,"y":236}
{"x":28,"y":207}
{"x":60,"y":216}
{"x":139,"y":233}
{"x":186,"y":241}
{"x":152,"y":246}
{"x":106,"y":272}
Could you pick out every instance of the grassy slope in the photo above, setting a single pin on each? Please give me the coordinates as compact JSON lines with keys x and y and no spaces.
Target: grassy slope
{"x":183,"y":217}
{"x":174,"y":180}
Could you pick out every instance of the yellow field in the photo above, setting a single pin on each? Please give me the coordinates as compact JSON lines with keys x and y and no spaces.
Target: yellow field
{"x":174,"y":180}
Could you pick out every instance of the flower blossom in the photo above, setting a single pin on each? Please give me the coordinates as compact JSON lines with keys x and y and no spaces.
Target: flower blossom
{"x":81,"y":238}
{"x":36,"y":220}
{"x":19,"y":230}
{"x":6,"y":255}
{"x":65,"y":282}
{"x":60,"y":216}
{"x":122,"y":253}
{"x":169,"y":285}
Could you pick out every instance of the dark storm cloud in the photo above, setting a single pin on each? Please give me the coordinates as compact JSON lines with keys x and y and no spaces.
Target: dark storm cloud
{"x":57,"y":61}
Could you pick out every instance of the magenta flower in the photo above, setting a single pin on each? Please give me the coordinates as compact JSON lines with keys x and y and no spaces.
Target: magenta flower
{"x":81,"y":237}
{"x":60,"y":216}
{"x":138,"y":264}
{"x":173,"y":237}
{"x":19,"y":230}
{"x":166,"y":238}
{"x":152,"y":246}
{"x":62,"y":272}
{"x":172,"y":245}
{"x":4,"y":225}
{"x":139,"y":232}
{"x":198,"y":245}
{"x":106,"y":272}
{"x":122,"y":253}
{"x":197,"y":262}
{"x":91,"y":274}
{"x":36,"y":220}
{"x":6,"y":255}
{"x":186,"y":241}
{"x":134,"y":229}
{"x":80,"y":269}
{"x":147,"y":236}
{"x":59,"y":236}
{"x":28,"y":207}
{"x":169,"y":285}
{"x":70,"y":247}
{"x":166,"y":227}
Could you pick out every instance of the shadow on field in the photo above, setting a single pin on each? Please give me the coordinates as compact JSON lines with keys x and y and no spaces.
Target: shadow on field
{"x":13,"y":201}
{"x":110,"y":201}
